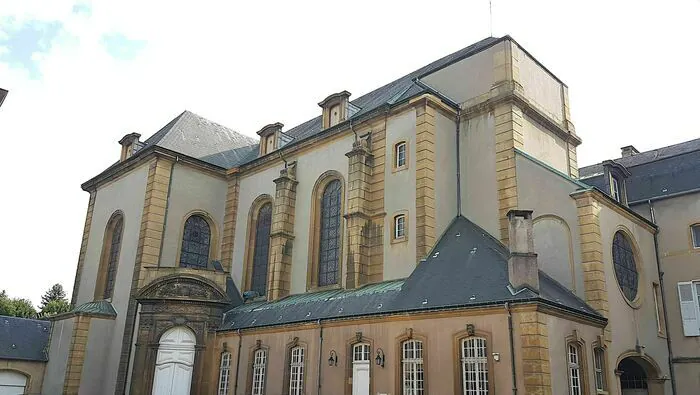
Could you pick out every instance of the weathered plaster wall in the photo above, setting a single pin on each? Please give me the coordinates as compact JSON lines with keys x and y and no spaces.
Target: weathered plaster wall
{"x":544,"y":145}
{"x":445,"y":172}
{"x":59,"y":347}
{"x":540,"y":87}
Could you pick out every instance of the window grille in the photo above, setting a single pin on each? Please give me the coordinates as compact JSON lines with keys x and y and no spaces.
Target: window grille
{"x":262,"y":249}
{"x":625,"y":265}
{"x":195,"y":243}
{"x":329,"y":241}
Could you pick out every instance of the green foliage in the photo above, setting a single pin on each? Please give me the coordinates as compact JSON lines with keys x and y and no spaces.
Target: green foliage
{"x":55,"y":307}
{"x":56,"y":292}
{"x":23,"y":308}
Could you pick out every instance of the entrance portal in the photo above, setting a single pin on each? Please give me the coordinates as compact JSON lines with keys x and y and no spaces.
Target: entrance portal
{"x":633,"y":379}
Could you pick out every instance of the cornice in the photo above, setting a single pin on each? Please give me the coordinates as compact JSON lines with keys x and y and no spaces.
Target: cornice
{"x":609,"y":202}
{"x":118,"y":169}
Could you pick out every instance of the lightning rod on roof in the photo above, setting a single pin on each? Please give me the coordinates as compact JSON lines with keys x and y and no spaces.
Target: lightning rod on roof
{"x":490,"y":20}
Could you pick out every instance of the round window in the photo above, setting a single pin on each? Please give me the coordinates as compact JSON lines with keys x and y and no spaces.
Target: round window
{"x":625,"y":265}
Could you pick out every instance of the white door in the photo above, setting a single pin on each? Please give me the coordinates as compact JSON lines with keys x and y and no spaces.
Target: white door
{"x":175,"y":362}
{"x":360,"y":369}
{"x":12,"y":383}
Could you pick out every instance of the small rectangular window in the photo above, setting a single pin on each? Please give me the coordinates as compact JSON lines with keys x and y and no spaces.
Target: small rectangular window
{"x":695,"y":231}
{"x":399,"y":226}
{"x":615,"y":188}
{"x":296,"y":371}
{"x":599,"y":366}
{"x":400,"y":154}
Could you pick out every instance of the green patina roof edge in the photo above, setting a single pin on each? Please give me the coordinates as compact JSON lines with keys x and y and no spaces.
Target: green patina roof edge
{"x":551,"y":169}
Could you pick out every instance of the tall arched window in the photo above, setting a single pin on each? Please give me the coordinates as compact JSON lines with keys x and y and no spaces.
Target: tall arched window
{"x":329,"y":240}
{"x":224,"y":373}
{"x":196,"y":239}
{"x":573,"y":358}
{"x":261,"y":252}
{"x":475,"y":372}
{"x":109,"y":261}
{"x":412,"y":372}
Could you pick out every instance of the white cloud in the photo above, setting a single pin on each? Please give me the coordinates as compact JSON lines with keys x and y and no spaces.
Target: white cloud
{"x":630,"y":68}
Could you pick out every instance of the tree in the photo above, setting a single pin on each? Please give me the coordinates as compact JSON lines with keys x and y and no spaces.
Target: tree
{"x":55,"y":307}
{"x":6,"y":305}
{"x":56,"y":292}
{"x":23,"y":308}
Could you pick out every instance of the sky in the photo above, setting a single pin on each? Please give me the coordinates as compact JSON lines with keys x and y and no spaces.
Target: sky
{"x":82,"y":74}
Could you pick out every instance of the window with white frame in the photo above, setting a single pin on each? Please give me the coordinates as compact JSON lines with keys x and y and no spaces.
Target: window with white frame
{"x":360,"y":352}
{"x":689,"y":296}
{"x":599,"y":367}
{"x":475,"y":374}
{"x":615,"y":188}
{"x":400,"y":226}
{"x":259,"y":363}
{"x":575,"y":387}
{"x":412,"y":373}
{"x":400,"y":154}
{"x":296,"y":371}
{"x":224,"y":373}
{"x":695,"y":232}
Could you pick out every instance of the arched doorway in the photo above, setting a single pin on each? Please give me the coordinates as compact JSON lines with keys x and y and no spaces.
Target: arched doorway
{"x":12,"y":383}
{"x":639,"y":375}
{"x":175,"y":362}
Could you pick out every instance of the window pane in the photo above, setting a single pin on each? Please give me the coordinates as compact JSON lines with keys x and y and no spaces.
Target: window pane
{"x":474,"y":367}
{"x":625,"y":266}
{"x":113,"y":257}
{"x":262,"y":249}
{"x":329,"y":241}
{"x":695,"y":230}
{"x":400,"y":154}
{"x":259,"y":362}
{"x":195,"y":243}
{"x":224,"y":373}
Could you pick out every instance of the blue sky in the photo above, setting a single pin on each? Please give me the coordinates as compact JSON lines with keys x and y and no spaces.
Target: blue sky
{"x":83,"y":73}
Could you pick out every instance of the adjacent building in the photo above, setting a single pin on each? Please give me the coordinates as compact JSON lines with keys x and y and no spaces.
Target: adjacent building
{"x":430,"y":236}
{"x":663,"y":185}
{"x":23,"y":354}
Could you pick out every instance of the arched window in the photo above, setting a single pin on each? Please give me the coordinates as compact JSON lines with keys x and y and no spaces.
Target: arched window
{"x":412,"y":373}
{"x":109,"y":261}
{"x":261,"y":250}
{"x":258,"y":379}
{"x":196,"y":239}
{"x":400,"y":155}
{"x":574,"y":364}
{"x":329,"y":239}
{"x":296,"y":371}
{"x":399,"y":226}
{"x":224,"y":373}
{"x":625,"y":265}
{"x":475,"y":374}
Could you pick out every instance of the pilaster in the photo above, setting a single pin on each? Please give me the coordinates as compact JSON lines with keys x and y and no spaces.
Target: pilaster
{"x":425,"y":178}
{"x":147,"y":251}
{"x":508,"y":124}
{"x":76,"y":355}
{"x":83,"y":248}
{"x":506,"y":70}
{"x":594,"y":283}
{"x":534,"y":340}
{"x":358,"y":221}
{"x":230,"y":215}
{"x":376,"y":203}
{"x":282,"y":234}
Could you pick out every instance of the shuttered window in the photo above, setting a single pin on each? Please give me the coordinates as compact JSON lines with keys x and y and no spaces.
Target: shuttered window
{"x":688,"y":294}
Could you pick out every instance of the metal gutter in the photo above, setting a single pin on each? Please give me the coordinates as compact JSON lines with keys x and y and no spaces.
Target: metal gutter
{"x":512,"y":350}
{"x":670,"y":195}
{"x":238,"y":361}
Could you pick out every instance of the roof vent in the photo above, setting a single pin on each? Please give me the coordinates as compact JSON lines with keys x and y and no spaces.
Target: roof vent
{"x":628,"y":150}
{"x":130,"y":144}
{"x":336,"y":108}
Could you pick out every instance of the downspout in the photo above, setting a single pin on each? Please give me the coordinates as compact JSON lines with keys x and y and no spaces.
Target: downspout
{"x":663,"y":298}
{"x":238,"y":361}
{"x":459,"y":188}
{"x":320,"y":351}
{"x":167,"y":205}
{"x":512,"y":349}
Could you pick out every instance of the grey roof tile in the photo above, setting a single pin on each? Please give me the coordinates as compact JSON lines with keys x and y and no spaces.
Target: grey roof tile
{"x":467,"y":267}
{"x":24,"y":339}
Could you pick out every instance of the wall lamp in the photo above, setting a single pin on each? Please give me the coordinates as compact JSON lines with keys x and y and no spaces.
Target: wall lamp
{"x":380,"y":357}
{"x":333,"y":359}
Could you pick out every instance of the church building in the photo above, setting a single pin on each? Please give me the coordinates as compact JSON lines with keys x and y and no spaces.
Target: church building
{"x":429,"y":237}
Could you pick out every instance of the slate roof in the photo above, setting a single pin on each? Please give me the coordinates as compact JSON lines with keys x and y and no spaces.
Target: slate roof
{"x":655,"y":173}
{"x":200,"y":138}
{"x":467,"y":268}
{"x":24,"y":339}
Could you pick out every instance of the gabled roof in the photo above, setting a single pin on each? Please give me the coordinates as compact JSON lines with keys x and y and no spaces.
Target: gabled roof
{"x":655,"y":173}
{"x":200,"y":138}
{"x":24,"y":339}
{"x":467,"y":268}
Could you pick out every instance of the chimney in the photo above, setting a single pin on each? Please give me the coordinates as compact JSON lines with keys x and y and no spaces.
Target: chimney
{"x":335,"y":108}
{"x":269,"y":137}
{"x":522,"y":263}
{"x":628,"y":150}
{"x":130,"y":144}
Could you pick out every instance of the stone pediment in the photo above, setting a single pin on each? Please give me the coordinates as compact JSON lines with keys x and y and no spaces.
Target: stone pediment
{"x":183,"y":287}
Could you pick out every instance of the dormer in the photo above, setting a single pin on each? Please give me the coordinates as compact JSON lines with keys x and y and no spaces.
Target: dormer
{"x":615,"y":175}
{"x":130,"y":144}
{"x":270,"y":137}
{"x":335,"y":108}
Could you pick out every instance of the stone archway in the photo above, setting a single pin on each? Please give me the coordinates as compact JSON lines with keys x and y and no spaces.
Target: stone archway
{"x":639,"y":375}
